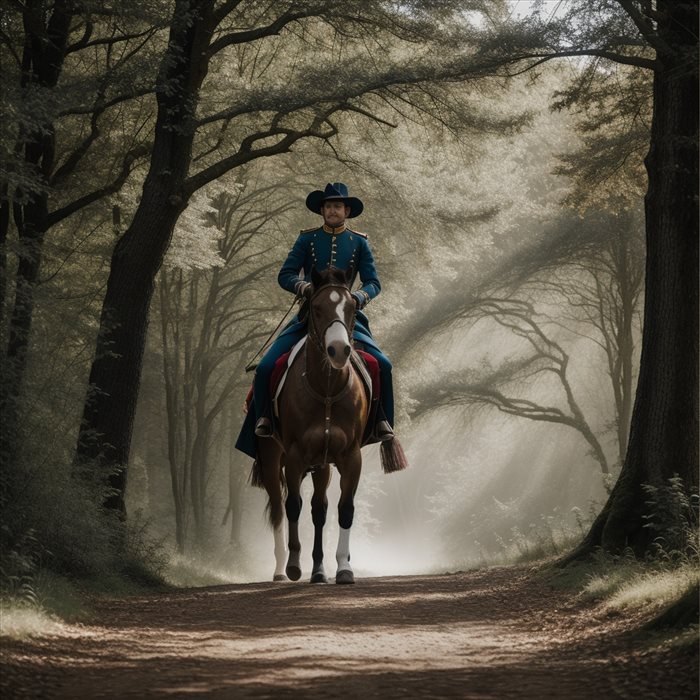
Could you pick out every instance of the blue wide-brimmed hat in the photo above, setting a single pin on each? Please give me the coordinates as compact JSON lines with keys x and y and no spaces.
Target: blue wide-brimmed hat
{"x":337,"y":190}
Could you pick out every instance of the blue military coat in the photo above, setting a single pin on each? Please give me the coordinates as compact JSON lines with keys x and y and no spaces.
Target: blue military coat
{"x":325,"y":247}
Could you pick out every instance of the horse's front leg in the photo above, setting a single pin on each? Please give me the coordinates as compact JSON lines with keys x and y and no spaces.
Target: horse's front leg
{"x":319,"y":507}
{"x":293,"y":508}
{"x":349,"y":469}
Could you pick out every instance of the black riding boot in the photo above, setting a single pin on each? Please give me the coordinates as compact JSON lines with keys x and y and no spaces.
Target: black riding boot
{"x":382,"y":428}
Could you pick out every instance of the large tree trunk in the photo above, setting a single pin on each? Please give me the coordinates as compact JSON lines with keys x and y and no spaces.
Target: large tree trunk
{"x":664,"y":428}
{"x":43,"y":56}
{"x":31,"y":239}
{"x":110,"y":406}
{"x":108,"y":417}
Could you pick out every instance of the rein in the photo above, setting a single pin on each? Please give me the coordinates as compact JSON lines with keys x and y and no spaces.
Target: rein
{"x":252,"y":364}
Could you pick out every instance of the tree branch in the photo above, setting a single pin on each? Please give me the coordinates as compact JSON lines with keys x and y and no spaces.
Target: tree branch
{"x":125,"y":97}
{"x":76,"y":156}
{"x":246,"y":153}
{"x":114,"y":186}
{"x":638,"y":61}
{"x":251,"y":35}
{"x":646,"y":29}
{"x":83,"y":43}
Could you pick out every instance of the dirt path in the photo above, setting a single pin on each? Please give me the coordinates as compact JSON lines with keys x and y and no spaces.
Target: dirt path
{"x":497,"y":633}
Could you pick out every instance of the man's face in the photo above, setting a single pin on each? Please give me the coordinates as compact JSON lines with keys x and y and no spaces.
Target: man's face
{"x":334,"y":212}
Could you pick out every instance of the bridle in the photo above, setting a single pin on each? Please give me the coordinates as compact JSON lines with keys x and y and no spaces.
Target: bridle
{"x":328,"y":399}
{"x":314,"y":335}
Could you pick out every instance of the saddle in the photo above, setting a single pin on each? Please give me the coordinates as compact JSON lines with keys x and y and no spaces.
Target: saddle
{"x":365,"y":364}
{"x":367,"y":369}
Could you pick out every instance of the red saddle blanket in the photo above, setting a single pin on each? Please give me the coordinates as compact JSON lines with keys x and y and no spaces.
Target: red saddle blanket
{"x":372,"y":365}
{"x":281,"y":367}
{"x":370,"y":362}
{"x":278,"y":372}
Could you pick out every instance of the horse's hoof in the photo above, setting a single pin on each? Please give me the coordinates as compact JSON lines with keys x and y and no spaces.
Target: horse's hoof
{"x":279,"y":577}
{"x":345,"y":577}
{"x":294,"y":573}
{"x":319,"y":578}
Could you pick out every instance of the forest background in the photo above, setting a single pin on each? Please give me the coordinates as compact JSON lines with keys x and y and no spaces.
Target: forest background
{"x":156,"y":158}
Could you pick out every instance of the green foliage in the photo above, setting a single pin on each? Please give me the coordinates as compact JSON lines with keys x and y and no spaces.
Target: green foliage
{"x":143,"y":557}
{"x":549,"y":536}
{"x":19,"y":565}
{"x":624,"y":578}
{"x":613,"y":105}
{"x":55,"y":529}
{"x":672,"y":516}
{"x":665,"y":580}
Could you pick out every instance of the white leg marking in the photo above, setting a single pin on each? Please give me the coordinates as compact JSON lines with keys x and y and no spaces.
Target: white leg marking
{"x":280,"y":550}
{"x":342,"y":555}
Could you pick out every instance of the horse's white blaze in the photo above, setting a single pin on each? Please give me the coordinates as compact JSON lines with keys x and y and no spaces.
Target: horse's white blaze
{"x":337,"y":333}
{"x":342,"y":554}
{"x":335,"y":296}
{"x":280,"y":550}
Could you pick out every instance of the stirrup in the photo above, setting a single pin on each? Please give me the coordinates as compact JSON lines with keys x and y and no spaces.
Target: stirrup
{"x":263,"y":428}
{"x":384,"y":431}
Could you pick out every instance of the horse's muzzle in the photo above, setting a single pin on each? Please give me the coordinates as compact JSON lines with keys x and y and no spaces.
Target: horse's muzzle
{"x":338,"y":352}
{"x":337,"y":343}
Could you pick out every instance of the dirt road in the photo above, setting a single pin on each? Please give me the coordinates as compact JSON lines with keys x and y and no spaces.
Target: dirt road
{"x":497,"y":633}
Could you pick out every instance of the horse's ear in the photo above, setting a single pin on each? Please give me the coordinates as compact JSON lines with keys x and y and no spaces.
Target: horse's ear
{"x":315,"y":278}
{"x":349,"y":276}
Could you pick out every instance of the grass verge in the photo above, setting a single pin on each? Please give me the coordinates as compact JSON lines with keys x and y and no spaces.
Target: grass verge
{"x":666,"y":594}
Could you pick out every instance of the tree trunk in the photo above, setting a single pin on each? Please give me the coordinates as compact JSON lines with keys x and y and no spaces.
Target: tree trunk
{"x":664,"y":427}
{"x":31,"y":239}
{"x":198,"y":469}
{"x":625,"y":349}
{"x":108,"y":416}
{"x":42,"y":61}
{"x":236,"y":483}
{"x":4,"y":229}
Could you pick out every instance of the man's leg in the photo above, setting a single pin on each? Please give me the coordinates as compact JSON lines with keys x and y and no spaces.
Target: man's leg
{"x":261,"y":385}
{"x":385,"y":416}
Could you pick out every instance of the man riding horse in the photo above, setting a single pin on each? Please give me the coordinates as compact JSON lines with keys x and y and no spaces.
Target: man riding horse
{"x":334,"y":245}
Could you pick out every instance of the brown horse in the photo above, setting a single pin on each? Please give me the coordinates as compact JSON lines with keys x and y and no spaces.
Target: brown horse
{"x":323,"y":412}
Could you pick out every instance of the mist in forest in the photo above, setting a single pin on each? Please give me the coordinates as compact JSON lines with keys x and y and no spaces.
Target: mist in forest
{"x":501,"y":292}
{"x":504,"y":212}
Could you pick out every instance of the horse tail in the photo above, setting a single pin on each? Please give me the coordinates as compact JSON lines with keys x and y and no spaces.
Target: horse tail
{"x":275,"y":508}
{"x":256,"y":477}
{"x":392,"y":456}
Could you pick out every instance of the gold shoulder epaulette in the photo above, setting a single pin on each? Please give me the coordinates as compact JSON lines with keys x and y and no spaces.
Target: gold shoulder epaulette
{"x":308,"y":230}
{"x":359,"y":233}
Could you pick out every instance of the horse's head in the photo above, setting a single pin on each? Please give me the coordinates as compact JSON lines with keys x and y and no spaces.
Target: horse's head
{"x":332,"y":313}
